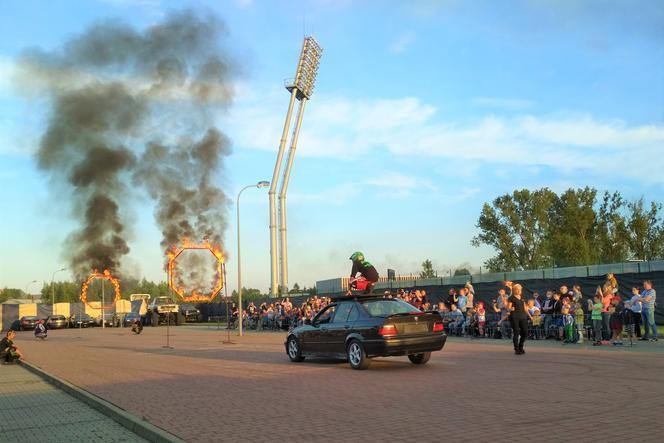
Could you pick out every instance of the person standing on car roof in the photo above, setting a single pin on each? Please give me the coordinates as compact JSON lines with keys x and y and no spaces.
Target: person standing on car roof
{"x":366,"y":271}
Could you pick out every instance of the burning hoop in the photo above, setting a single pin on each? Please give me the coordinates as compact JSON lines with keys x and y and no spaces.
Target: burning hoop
{"x":173,"y":254}
{"x":101,"y":275}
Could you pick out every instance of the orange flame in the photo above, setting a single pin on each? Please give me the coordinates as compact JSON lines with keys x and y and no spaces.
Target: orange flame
{"x":105,"y":275}
{"x":173,"y":253}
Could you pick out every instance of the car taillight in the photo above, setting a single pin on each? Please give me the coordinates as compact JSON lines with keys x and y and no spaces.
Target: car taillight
{"x":387,"y":330}
{"x":438,"y":327}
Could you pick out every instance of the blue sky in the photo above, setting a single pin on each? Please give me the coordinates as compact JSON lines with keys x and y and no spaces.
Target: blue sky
{"x":422,"y":112}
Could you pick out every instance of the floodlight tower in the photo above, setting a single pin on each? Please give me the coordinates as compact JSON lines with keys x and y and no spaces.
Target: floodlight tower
{"x":301,"y":88}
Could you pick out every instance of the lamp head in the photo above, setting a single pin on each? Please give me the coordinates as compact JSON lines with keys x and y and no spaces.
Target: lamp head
{"x":263,"y":184}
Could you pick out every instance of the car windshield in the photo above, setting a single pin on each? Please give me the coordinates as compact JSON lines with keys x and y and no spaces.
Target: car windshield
{"x":58,"y":317}
{"x":30,"y":318}
{"x":387,"y":307}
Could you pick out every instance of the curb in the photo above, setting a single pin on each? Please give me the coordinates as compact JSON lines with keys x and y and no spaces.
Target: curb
{"x":139,"y":427}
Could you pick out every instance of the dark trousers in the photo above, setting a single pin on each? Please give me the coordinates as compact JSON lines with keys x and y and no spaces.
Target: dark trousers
{"x":519,"y":332}
{"x":606,"y":330}
{"x":637,"y":323}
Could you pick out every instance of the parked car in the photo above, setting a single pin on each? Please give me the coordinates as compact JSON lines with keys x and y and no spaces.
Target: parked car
{"x":109,"y":319}
{"x":28,"y":322}
{"x":191,"y":314}
{"x":81,"y":321}
{"x":359,"y":328}
{"x":56,"y":322}
{"x":130,"y":318}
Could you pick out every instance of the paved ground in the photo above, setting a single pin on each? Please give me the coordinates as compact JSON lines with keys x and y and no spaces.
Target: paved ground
{"x":32,"y":410}
{"x":204,"y":390}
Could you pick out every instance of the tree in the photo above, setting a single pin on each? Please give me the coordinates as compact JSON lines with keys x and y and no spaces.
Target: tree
{"x":517,"y":226}
{"x":611,"y":235}
{"x":427,"y":270}
{"x":295,"y":289}
{"x":9,"y":293}
{"x":461,"y":271}
{"x":571,"y":238}
{"x":645,"y":230}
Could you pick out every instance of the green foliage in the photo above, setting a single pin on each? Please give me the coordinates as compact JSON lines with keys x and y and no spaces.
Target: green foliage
{"x":461,"y":271}
{"x":427,"y":270}
{"x":61,"y":291}
{"x":8,"y":293}
{"x":295,"y":289}
{"x":531,"y":230}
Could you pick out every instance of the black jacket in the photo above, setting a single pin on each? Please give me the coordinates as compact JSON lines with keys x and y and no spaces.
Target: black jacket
{"x":365,"y":269}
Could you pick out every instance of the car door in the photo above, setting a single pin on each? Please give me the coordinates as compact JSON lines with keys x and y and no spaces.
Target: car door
{"x":339,"y":329}
{"x":317,"y":341}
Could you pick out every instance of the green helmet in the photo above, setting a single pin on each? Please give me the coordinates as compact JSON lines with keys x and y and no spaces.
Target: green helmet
{"x":357,"y":256}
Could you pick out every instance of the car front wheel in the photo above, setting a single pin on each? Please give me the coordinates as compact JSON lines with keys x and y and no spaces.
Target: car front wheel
{"x":419,"y":359}
{"x":356,"y":356}
{"x":294,"y":351}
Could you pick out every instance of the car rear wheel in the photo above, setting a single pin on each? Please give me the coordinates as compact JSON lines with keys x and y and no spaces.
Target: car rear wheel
{"x":294,"y":351}
{"x":356,"y":356}
{"x":419,"y":359}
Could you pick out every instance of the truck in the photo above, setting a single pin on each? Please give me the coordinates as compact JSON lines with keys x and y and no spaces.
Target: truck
{"x":162,"y":310}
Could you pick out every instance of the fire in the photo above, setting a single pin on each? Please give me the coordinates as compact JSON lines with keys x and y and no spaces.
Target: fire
{"x":105,"y":275}
{"x":195,"y":296}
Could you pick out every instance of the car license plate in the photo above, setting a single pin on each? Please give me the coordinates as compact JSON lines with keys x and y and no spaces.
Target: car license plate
{"x":411,"y":329}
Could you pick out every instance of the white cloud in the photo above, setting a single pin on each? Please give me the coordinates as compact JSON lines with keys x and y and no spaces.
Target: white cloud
{"x":402,"y":42}
{"x":340,"y":127}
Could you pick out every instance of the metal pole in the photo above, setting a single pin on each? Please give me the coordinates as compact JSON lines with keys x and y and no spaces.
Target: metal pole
{"x":273,"y":206}
{"x":239,"y":260}
{"x":282,"y":198}
{"x":103,"y":319}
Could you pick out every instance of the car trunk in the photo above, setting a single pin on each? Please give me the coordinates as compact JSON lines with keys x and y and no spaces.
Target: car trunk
{"x":413,"y":323}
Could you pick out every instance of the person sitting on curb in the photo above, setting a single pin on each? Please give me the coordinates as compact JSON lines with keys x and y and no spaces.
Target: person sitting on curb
{"x":9,"y":353}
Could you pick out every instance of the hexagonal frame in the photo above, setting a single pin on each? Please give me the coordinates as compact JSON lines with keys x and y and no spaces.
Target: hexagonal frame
{"x":175,"y":252}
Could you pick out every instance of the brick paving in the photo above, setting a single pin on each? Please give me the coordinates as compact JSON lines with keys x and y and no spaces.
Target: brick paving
{"x":204,"y":390}
{"x":31,"y":410}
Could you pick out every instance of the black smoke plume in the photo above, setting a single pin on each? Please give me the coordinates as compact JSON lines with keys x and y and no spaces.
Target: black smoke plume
{"x":132,"y":107}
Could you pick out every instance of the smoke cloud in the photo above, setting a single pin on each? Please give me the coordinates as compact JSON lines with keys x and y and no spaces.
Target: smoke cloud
{"x":132,"y":107}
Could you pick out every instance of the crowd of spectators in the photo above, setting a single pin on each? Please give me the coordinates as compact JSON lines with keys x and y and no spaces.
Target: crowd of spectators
{"x":278,"y":315}
{"x":564,"y":314}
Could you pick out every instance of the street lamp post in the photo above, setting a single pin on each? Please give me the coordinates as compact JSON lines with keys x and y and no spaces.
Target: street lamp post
{"x":260,"y":184}
{"x":27,"y":286}
{"x":53,"y":289}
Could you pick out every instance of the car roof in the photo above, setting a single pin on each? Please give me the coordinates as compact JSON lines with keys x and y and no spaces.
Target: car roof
{"x":360,"y":298}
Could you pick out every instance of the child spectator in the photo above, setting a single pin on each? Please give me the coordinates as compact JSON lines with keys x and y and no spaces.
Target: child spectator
{"x":568,"y":325}
{"x":616,"y":322}
{"x":463,"y":300}
{"x":636,"y":307}
{"x":481,"y":318}
{"x":579,"y":320}
{"x":9,"y":353}
{"x":596,"y":318}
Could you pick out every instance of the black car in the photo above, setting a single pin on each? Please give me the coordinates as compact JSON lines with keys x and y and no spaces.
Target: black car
{"x":28,"y":323}
{"x":359,"y":328}
{"x":190,"y":313}
{"x":81,"y":321}
{"x":56,"y":322}
{"x":130,"y":318}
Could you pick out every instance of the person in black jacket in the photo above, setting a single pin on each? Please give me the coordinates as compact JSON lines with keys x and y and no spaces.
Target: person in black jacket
{"x":9,"y":353}
{"x":519,"y":316}
{"x":366,"y":272}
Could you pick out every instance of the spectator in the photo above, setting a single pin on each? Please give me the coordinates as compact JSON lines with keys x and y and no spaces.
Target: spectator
{"x":578,"y":295}
{"x":547,"y":311}
{"x":470,"y":293}
{"x":579,"y":320}
{"x":597,"y":320}
{"x":9,"y":352}
{"x":634,"y":305}
{"x":616,"y":322}
{"x":607,"y":297}
{"x":536,"y":300}
{"x":648,"y":299}
{"x":462,"y":300}
{"x":481,"y":318}
{"x":456,"y":319}
{"x":611,"y":283}
{"x":452,"y":298}
{"x":568,"y":324}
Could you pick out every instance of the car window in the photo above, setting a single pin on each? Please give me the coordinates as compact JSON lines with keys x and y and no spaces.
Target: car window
{"x":387,"y":307}
{"x":342,"y":312}
{"x":325,"y":316}
{"x":354,"y":314}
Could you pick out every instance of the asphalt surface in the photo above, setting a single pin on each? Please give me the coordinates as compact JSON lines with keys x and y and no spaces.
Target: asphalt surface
{"x":205,"y":390}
